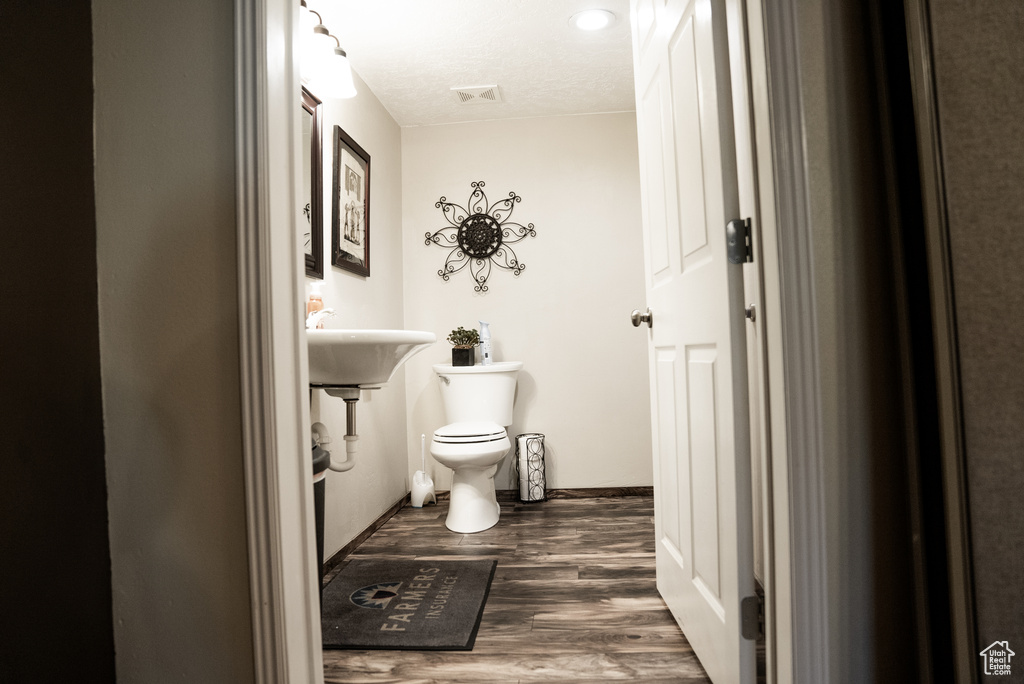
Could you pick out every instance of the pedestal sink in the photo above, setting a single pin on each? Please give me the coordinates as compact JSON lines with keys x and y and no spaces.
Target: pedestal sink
{"x":343,"y":362}
{"x":361,"y":358}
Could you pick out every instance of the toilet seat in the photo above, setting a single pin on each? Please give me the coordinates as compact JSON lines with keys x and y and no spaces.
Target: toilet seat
{"x":478,"y":404}
{"x":473,"y":451}
{"x":470,"y":433}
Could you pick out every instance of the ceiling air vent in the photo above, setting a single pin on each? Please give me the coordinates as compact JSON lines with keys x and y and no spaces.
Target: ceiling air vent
{"x":477,"y":94}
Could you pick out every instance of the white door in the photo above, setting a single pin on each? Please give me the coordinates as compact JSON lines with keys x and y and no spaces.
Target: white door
{"x":697,"y":339}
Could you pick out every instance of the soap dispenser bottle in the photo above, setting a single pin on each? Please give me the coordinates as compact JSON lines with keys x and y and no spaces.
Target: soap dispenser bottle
{"x":315,"y":302}
{"x":485,"y":344}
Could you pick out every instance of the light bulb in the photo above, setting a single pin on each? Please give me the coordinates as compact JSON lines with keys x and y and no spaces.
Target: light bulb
{"x":323,"y":43}
{"x":320,"y":57}
{"x":306,"y":22}
{"x":336,"y":78}
{"x":305,"y":38}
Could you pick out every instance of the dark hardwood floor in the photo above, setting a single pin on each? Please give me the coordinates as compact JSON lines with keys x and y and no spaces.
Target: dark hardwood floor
{"x":573,"y":598}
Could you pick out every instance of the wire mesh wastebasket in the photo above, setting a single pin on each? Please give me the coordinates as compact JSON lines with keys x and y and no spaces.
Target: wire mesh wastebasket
{"x":529,"y":467}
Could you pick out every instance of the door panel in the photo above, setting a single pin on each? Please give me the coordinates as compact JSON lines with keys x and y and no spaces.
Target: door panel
{"x":643,"y":23}
{"x":675,"y":525}
{"x":686,"y":129}
{"x":657,"y":236}
{"x":700,"y":427}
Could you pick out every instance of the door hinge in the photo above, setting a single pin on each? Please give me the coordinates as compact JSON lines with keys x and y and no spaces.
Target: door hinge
{"x":752,"y":617}
{"x":738,"y":241}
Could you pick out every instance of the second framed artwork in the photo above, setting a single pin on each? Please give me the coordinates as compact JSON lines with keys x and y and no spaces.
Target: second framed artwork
{"x":350,"y":230}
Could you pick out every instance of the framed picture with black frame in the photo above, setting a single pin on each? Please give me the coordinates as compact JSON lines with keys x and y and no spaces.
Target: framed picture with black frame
{"x":311,"y":212}
{"x":350,"y":231}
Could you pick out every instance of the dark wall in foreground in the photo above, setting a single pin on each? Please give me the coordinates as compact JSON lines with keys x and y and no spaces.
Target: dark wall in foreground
{"x":55,"y":568}
{"x":979,"y":81}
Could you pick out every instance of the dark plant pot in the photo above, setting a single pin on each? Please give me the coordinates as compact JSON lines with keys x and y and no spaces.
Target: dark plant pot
{"x":463,"y":357}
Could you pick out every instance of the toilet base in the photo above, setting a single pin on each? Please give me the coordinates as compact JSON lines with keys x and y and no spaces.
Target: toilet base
{"x":474,"y":505}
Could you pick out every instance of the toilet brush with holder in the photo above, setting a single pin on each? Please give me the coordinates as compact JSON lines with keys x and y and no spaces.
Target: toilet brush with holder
{"x":422,"y":485}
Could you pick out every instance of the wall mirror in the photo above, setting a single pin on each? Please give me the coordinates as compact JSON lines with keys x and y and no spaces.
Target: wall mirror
{"x":311,"y":203}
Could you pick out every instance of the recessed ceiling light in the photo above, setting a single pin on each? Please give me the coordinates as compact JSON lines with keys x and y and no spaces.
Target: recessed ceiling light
{"x":592,"y":20}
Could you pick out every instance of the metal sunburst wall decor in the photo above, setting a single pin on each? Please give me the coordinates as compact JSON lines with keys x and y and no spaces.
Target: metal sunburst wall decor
{"x":479,"y":236}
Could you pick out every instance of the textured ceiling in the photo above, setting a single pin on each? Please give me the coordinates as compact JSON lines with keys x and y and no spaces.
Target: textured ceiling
{"x":411,"y":53}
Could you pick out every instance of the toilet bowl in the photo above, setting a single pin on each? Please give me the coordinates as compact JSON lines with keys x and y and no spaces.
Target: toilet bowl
{"x":473,"y":451}
{"x":478,"y":405}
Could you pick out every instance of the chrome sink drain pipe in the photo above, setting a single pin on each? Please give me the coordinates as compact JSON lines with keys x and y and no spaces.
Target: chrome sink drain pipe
{"x":351,"y":396}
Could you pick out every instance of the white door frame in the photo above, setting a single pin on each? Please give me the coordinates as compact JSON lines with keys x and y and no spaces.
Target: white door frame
{"x":285,"y":604}
{"x":800,"y":606}
{"x":746,"y":101}
{"x":275,"y":406}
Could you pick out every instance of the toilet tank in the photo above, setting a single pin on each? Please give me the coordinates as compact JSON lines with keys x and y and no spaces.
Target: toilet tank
{"x":478,"y":393}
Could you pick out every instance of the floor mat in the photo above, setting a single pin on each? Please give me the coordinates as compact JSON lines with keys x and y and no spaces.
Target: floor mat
{"x":406,"y":605}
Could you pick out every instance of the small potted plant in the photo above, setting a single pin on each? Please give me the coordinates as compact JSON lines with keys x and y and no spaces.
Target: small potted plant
{"x":463,"y":346}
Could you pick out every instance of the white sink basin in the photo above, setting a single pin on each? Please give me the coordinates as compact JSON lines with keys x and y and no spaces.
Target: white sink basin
{"x":357,"y":358}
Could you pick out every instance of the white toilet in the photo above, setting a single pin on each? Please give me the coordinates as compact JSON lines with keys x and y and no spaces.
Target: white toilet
{"x":478,"y":406}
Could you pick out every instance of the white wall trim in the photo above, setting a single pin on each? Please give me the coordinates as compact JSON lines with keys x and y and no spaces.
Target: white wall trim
{"x":278,"y":480}
{"x":801,"y":409}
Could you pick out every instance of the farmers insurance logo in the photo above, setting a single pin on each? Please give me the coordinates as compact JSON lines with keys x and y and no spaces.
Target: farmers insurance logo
{"x":375,"y":596}
{"x":996,"y":658}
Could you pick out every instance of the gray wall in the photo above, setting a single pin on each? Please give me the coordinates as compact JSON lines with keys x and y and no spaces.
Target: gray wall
{"x":166,"y":252}
{"x":979,"y":74}
{"x":54,"y":554}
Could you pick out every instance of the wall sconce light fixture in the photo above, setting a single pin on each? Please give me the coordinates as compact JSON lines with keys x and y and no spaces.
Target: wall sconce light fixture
{"x":324,"y":64}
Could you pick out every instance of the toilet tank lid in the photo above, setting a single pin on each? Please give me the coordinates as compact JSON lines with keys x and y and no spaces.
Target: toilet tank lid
{"x":479,"y":430}
{"x":496,"y":367}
